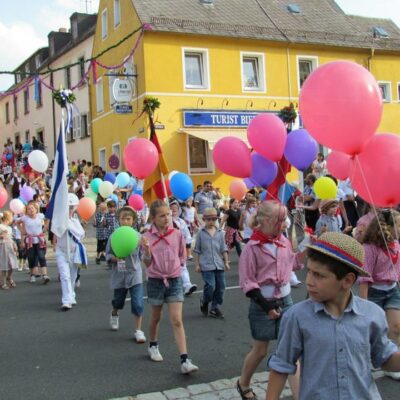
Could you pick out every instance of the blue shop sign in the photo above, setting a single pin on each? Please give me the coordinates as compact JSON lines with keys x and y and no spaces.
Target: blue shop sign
{"x":218,"y":119}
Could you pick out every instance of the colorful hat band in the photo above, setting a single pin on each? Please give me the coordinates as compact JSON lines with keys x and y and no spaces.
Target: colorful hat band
{"x":338,"y":252}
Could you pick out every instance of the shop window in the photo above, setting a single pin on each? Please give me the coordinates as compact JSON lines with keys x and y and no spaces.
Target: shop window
{"x":305,"y":66}
{"x":104,"y":24}
{"x":253,"y":77}
{"x":386,"y":90}
{"x":196,"y":69}
{"x":117,"y":13}
{"x":199,"y":156}
{"x":99,"y":96}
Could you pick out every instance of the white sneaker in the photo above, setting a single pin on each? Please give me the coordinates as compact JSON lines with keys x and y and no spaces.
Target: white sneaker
{"x":139,"y":336}
{"x":46,"y":279}
{"x":154,"y":353}
{"x":20,"y":268}
{"x":114,"y":322}
{"x":33,"y":279}
{"x":66,"y":307}
{"x":187,"y":367}
{"x":393,"y":375}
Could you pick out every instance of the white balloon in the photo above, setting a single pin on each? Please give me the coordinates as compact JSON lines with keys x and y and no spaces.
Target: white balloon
{"x":106,"y":189}
{"x":17,"y":206}
{"x":38,"y":160}
{"x":171,"y":174}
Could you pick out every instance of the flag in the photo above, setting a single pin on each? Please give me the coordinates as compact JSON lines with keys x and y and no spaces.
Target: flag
{"x":273,"y":189}
{"x":58,"y":210}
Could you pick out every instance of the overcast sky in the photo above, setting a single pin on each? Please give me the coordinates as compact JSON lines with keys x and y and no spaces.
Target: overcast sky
{"x":24,"y":24}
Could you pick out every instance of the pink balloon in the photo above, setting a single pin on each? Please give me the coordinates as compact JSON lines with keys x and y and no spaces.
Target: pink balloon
{"x":338,"y":164}
{"x":136,"y":202}
{"x":267,"y":136}
{"x":341,"y":106}
{"x":17,"y":206}
{"x":232,"y":157}
{"x":237,"y":189}
{"x":141,"y":157}
{"x":3,"y":196}
{"x":376,"y":172}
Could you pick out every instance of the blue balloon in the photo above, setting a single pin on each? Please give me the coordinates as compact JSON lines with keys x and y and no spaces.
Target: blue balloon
{"x":138,"y":191}
{"x":263,"y":195}
{"x":109,"y":177}
{"x":181,"y":186}
{"x":123,"y":179}
{"x":285,"y":192}
{"x":114,"y":197}
{"x":9,"y":156}
{"x":132,"y":182}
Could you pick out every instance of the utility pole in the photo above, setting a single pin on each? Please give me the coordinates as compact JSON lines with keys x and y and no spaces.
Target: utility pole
{"x":87,"y":3}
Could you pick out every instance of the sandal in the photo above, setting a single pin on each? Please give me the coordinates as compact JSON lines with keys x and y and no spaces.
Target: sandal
{"x":4,"y":287}
{"x":11,"y":284}
{"x":243,"y":392}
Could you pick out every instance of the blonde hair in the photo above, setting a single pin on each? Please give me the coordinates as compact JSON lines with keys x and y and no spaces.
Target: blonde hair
{"x":7,"y":217}
{"x":268,"y":209}
{"x":210,"y":211}
{"x":378,"y":231}
{"x":155,"y":205}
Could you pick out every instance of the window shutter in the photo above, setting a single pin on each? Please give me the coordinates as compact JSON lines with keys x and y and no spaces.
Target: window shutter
{"x":78,"y":126}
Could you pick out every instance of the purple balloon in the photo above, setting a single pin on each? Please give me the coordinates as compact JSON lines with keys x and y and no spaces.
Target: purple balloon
{"x":250,"y":184}
{"x":264,"y":170}
{"x":301,"y":149}
{"x":27,"y":193}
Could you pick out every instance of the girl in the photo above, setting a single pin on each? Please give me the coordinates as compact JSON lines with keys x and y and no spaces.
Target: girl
{"x":8,"y":249}
{"x":265,"y":268}
{"x":33,"y":227}
{"x":192,"y":221}
{"x":164,"y":253}
{"x":246,"y":218}
{"x":22,"y":261}
{"x":382,"y":261}
{"x":231,"y":220}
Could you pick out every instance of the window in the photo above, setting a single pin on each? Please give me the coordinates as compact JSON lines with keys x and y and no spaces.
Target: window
{"x":67,"y":77}
{"x":85,"y":126}
{"x":76,"y":127}
{"x":196,"y":69}
{"x":99,"y":96}
{"x":102,"y":158}
{"x":17,"y":78}
{"x":117,"y":13}
{"x":39,"y":102}
{"x":253,"y":77}
{"x":305,"y":66}
{"x":380,"y":32}
{"x":81,"y":67}
{"x":199,"y":156}
{"x":40,"y":136}
{"x":15,"y":101}
{"x":398,"y":91}
{"x":116,"y":149}
{"x":27,"y":69}
{"x":294,"y":8}
{"x":37,"y":61}
{"x":386,"y":90}
{"x":75,"y":29}
{"x":26,"y":100}
{"x":104,"y":23}
{"x":7,"y":113}
{"x":27,"y":134}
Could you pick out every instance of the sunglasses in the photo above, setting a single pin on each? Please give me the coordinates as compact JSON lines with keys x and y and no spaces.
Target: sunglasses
{"x":210,"y":218}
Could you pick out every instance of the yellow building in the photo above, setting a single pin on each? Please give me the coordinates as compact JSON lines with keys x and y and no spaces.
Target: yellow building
{"x":215,"y":64}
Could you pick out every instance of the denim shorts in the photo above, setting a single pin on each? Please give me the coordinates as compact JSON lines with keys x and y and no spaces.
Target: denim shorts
{"x":158,"y":293}
{"x":385,"y":299}
{"x":136,"y":293}
{"x":262,"y":328}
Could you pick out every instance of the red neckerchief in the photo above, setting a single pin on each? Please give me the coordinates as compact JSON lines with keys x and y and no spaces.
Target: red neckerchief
{"x":263,"y":238}
{"x":162,"y":236}
{"x":392,"y":252}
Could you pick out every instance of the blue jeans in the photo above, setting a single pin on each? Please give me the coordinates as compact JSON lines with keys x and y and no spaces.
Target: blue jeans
{"x":214,"y":287}
{"x":137,"y":303}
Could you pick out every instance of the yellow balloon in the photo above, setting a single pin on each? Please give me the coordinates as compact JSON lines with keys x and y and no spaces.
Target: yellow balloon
{"x":325,"y":188}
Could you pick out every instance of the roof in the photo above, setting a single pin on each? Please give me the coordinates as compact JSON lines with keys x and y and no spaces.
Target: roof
{"x":319,"y":21}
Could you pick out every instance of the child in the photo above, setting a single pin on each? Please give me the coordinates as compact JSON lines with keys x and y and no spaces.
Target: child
{"x":246,"y":218}
{"x":22,"y":261}
{"x":101,"y":232}
{"x":382,"y":261}
{"x":67,"y":263}
{"x":265,"y":268}
{"x":230,"y":221}
{"x":335,"y":334}
{"x":328,"y":220}
{"x":164,"y":253}
{"x":8,"y":249}
{"x":126,"y":275}
{"x":111,"y":217}
{"x":189,"y":215}
{"x":211,"y":259}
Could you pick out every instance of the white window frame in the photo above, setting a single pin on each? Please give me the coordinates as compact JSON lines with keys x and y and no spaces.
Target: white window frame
{"x":117,"y":6}
{"x":209,"y":170}
{"x":104,"y":24}
{"x":111,"y":80}
{"x":262,"y":87}
{"x":315,"y":64}
{"x":99,"y":96}
{"x":388,"y":86}
{"x":103,"y":150}
{"x":114,"y":150}
{"x":76,"y":127}
{"x":206,"y":86}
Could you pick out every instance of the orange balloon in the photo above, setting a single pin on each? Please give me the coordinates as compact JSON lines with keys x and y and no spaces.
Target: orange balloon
{"x":86,"y":208}
{"x":237,"y":189}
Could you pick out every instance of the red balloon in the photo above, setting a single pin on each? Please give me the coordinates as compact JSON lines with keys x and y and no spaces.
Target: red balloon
{"x":232,"y":156}
{"x":141,"y":157}
{"x":341,"y":106}
{"x":376,"y":173}
{"x":3,"y":197}
{"x":136,"y":202}
{"x":159,"y":189}
{"x":267,"y":135}
{"x":338,"y":164}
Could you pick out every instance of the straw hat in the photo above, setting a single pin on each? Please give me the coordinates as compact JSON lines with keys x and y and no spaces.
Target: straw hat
{"x":327,"y":204}
{"x":343,"y":248}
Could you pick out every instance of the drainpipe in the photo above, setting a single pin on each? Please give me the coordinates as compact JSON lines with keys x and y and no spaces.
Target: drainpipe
{"x":369,"y":59}
{"x":54,"y":116}
{"x":288,"y":73}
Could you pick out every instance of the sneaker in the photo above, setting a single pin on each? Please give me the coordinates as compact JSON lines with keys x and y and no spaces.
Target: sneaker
{"x":216,"y":313}
{"x":73,"y":303}
{"x":97,"y":261}
{"x":203,"y":308}
{"x":295,"y":284}
{"x":78,"y":284}
{"x":190,"y":258}
{"x":20,"y":268}
{"x":154,"y":353}
{"x":187,"y":367}
{"x":33,"y":279}
{"x":192,"y":289}
{"x":139,"y":336}
{"x":392,"y":375}
{"x":46,"y":279}
{"x":102,"y":257}
{"x":66,"y":307}
{"x":114,"y":322}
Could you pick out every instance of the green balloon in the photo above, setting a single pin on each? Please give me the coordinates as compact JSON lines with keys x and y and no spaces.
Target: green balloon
{"x":124,"y":241}
{"x":95,"y":185}
{"x":92,"y":195}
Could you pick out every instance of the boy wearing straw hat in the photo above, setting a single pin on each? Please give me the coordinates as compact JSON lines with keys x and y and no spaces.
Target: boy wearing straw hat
{"x":335,"y":334}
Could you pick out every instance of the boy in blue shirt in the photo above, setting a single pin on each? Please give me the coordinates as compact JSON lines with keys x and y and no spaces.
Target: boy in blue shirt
{"x":335,"y":335}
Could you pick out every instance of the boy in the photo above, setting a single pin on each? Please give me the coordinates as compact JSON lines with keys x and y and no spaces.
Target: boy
{"x":111,"y":217}
{"x":328,"y":220}
{"x":101,"y":232}
{"x":335,"y":334}
{"x":126,"y":275}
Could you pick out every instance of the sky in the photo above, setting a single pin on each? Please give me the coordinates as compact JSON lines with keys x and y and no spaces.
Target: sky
{"x":24,"y":24}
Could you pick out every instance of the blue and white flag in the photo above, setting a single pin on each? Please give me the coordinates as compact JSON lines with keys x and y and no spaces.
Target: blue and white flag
{"x":58,"y":210}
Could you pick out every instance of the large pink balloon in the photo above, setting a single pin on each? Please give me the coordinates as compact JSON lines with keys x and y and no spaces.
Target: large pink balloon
{"x":136,"y":202}
{"x":267,"y":136}
{"x":232,"y":157}
{"x":376,"y":173}
{"x":338,"y":164}
{"x":141,"y":157}
{"x":3,"y":196}
{"x":341,"y":106}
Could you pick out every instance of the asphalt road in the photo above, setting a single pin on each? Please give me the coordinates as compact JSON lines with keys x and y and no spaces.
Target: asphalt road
{"x":48,"y":354}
